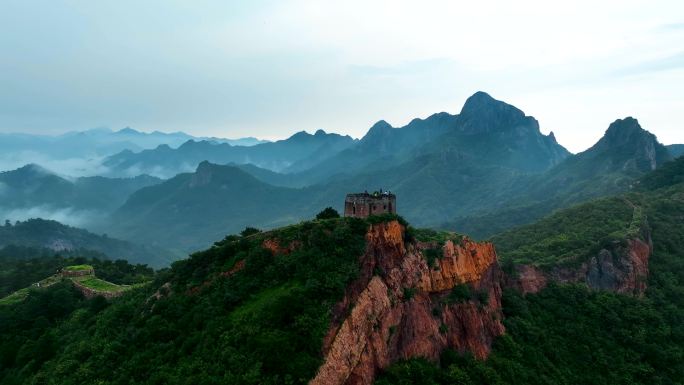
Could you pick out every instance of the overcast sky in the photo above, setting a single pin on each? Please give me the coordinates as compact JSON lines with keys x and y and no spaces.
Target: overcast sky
{"x":270,"y":68}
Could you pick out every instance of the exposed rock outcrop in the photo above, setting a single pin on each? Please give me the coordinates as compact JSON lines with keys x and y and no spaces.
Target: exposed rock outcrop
{"x":398,"y":308}
{"x":622,"y":270}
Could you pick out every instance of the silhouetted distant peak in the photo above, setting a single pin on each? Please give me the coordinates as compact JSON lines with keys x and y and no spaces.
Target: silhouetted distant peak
{"x":320,"y":133}
{"x":127,"y":130}
{"x":479,"y":98}
{"x":167,"y":147}
{"x":204,"y":166}
{"x":626,"y":132}
{"x":483,"y":114}
{"x":635,"y":147}
{"x":481,"y":103}
{"x":622,"y":130}
{"x":381,"y":125}
{"x":33,"y":168}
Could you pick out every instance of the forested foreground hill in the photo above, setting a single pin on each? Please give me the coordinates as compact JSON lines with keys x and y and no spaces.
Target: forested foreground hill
{"x":263,"y":308}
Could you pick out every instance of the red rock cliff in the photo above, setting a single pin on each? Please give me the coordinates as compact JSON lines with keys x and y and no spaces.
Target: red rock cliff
{"x":397,"y":308}
{"x":622,"y":270}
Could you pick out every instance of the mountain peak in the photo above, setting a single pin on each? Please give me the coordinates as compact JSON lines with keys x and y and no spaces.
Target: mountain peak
{"x":626,"y":131}
{"x":631,"y":144}
{"x":482,"y":103}
{"x":128,"y":131}
{"x":381,"y":124}
{"x":480,"y":97}
{"x":621,"y":129}
{"x":35,"y":169}
{"x":483,"y":114}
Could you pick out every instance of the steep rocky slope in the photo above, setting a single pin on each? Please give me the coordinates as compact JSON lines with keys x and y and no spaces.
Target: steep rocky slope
{"x":400,"y":306}
{"x":622,"y":270}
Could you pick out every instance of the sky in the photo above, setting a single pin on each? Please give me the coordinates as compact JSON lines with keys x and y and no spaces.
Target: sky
{"x":271,"y":68}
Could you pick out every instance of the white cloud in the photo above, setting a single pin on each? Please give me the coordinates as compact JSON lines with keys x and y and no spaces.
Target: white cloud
{"x":68,"y":216}
{"x":72,"y":167}
{"x":268,"y":68}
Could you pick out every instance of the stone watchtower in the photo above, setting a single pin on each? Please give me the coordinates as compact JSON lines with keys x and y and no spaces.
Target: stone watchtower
{"x":365,"y":204}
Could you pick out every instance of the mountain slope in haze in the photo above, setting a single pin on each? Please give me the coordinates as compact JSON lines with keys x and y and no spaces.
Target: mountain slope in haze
{"x":382,"y":145}
{"x":498,"y":131}
{"x":52,"y":235}
{"x":191,"y":210}
{"x":165,"y":161}
{"x":676,"y":150}
{"x":487,"y":150}
{"x":79,"y":153}
{"x":625,"y":153}
{"x":444,"y":177}
{"x":32,"y":191}
{"x":487,"y":131}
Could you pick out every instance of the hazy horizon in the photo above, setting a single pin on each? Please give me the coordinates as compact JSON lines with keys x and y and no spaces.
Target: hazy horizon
{"x":269,"y":69}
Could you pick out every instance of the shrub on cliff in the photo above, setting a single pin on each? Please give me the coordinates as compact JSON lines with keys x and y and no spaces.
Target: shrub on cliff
{"x":328,"y":213}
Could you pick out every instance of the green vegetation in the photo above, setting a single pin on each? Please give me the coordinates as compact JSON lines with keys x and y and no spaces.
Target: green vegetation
{"x":328,"y":213}
{"x":460,"y":293}
{"x":15,"y":297}
{"x":38,"y":233}
{"x":434,"y":236}
{"x":386,"y":217}
{"x":570,"y":236}
{"x":262,"y":325}
{"x":35,"y":319}
{"x":99,"y":285}
{"x":78,"y":268}
{"x":21,"y":267}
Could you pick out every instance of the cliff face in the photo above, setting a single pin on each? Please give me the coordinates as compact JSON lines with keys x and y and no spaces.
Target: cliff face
{"x":399,"y":308}
{"x":622,"y":270}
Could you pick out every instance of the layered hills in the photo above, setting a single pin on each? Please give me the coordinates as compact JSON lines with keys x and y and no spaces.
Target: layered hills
{"x":299,"y":151}
{"x":352,"y":301}
{"x":440,"y":168}
{"x":625,"y":153}
{"x":35,"y":190}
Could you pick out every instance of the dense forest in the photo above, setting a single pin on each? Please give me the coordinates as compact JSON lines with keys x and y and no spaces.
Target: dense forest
{"x":201,"y":322}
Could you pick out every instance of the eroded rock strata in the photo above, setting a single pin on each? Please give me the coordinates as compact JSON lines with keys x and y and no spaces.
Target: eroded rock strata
{"x":622,"y":270}
{"x":400,"y":307}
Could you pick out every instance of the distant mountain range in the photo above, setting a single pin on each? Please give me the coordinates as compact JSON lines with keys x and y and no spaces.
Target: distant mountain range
{"x":34,"y":192}
{"x":484,"y":170}
{"x":78,"y":153}
{"x":625,"y":153}
{"x":298,"y":152}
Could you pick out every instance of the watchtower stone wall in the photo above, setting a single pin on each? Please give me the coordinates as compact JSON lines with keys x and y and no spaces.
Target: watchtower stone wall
{"x":363,"y":205}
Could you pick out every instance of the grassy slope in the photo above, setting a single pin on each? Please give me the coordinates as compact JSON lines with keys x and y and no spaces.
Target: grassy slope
{"x":78,"y":267}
